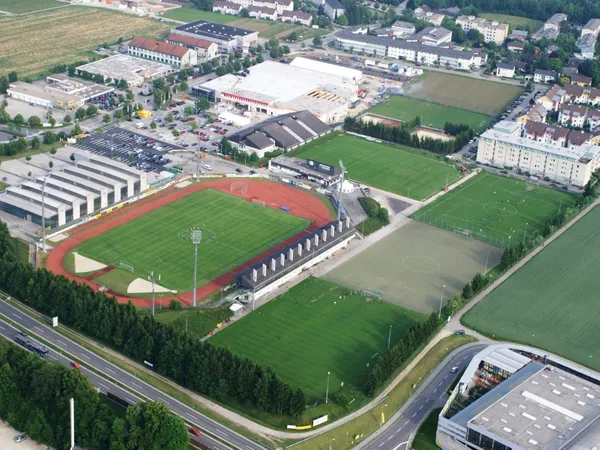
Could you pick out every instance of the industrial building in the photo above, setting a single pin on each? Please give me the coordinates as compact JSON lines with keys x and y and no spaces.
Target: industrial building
{"x":284,"y":132}
{"x":135,"y":71}
{"x":513,"y":397}
{"x":229,"y":39}
{"x":90,"y":184}
{"x":171,"y":54}
{"x":274,"y":88}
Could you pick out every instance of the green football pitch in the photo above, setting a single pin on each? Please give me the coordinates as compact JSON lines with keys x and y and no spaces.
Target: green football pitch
{"x":160,"y":240}
{"x":552,"y":302}
{"x":316,"y":328}
{"x":432,"y":115}
{"x":395,"y":169}
{"x":495,"y":209}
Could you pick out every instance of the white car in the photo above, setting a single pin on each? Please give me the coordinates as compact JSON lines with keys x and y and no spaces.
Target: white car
{"x":20,"y":438}
{"x":454,"y":369}
{"x":207,"y":167}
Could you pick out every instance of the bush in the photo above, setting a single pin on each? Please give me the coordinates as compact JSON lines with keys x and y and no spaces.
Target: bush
{"x":174,"y":305}
{"x":378,"y":216}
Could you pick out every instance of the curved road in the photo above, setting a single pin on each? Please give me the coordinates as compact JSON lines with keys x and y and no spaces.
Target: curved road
{"x":143,"y":391}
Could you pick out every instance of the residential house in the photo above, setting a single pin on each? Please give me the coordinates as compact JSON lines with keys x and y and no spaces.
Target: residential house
{"x":403,"y":29}
{"x":429,"y":16}
{"x":587,"y":46}
{"x":582,"y":95}
{"x":434,"y":36}
{"x":518,"y":35}
{"x":553,"y":98}
{"x":505,"y":70}
{"x":578,"y":138}
{"x":205,"y":50}
{"x":544,"y":76}
{"x":333,"y":9}
{"x":594,"y":120}
{"x":173,"y":55}
{"x":491,"y":30}
{"x":572,"y":115}
{"x":262,"y":12}
{"x":278,"y":5}
{"x":551,"y":28}
{"x":296,"y":16}
{"x":536,"y":113}
{"x":592,"y":27}
{"x":516,"y":47}
{"x":581,"y":80}
{"x":229,"y":8}
{"x":546,"y":133}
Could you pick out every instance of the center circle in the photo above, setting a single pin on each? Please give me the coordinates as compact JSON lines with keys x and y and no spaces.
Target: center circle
{"x":421,"y":264}
{"x":500,"y":209}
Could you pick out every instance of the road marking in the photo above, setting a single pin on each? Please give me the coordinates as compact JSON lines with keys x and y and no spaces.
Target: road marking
{"x":421,"y":408}
{"x":441,"y":395}
{"x":390,"y":438}
{"x":400,"y":445}
{"x":85,"y":356}
{"x":39,"y":329}
{"x":399,"y":429}
{"x":17,"y":316}
{"x":103,"y":386}
{"x":435,"y":390}
{"x":110,"y":370}
{"x":440,"y":383}
{"x":60,"y":342}
{"x":136,"y":385}
{"x":406,"y":423}
{"x":220,"y":433}
{"x":382,"y":444}
{"x":414,"y":415}
{"x":445,"y":377}
{"x":190,"y":416}
{"x":1,"y":327}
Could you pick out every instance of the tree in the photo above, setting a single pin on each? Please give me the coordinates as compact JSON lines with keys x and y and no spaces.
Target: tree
{"x":123,"y":84}
{"x":118,"y":114}
{"x":12,"y":76}
{"x":18,"y":120}
{"x":129,"y":95}
{"x":4,"y":116}
{"x":117,"y":435}
{"x":159,"y":83}
{"x":67,"y":119}
{"x":72,"y":156}
{"x":176,"y":133}
{"x":259,"y":59}
{"x":254,"y":157}
{"x":151,"y":426}
{"x":467,"y":291}
{"x":244,"y":13}
{"x":50,"y":164}
{"x":106,"y":118}
{"x":317,"y":41}
{"x":76,"y":130}
{"x":34,"y":121}
{"x":188,"y":111}
{"x":52,"y":121}
{"x":35,"y":143}
{"x":342,"y":20}
{"x":169,"y":117}
{"x":203,"y":104}
{"x":3,"y":84}
{"x":183,"y":86}
{"x":153,"y":125}
{"x":221,"y":71}
{"x":99,"y":78}
{"x":174,"y":305}
{"x":80,"y":114}
{"x":293,"y":37}
{"x":91,"y":111}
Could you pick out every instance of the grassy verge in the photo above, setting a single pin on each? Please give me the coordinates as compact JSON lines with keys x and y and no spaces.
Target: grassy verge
{"x":22,"y":251}
{"x":370,"y":421}
{"x":31,"y":152}
{"x":425,"y":437}
{"x":199,"y":322}
{"x":3,"y":186}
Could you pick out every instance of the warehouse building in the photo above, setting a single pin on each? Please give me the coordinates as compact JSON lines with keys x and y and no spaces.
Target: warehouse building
{"x":273,"y":88}
{"x":135,"y":71}
{"x":77,"y":190}
{"x":228,"y":39}
{"x":513,"y":397}
{"x":171,"y":54}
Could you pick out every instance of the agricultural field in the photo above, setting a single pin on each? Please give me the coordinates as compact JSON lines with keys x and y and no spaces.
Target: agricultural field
{"x":25,"y":6}
{"x":514,"y":21}
{"x":65,"y":36}
{"x":470,"y":94}
{"x":495,"y":209}
{"x":395,"y":169}
{"x":551,"y":302}
{"x":314,"y":328}
{"x":432,"y":115}
{"x":234,"y":231}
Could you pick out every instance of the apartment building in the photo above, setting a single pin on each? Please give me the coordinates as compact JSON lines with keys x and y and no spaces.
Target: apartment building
{"x":425,"y":13}
{"x":572,"y":115}
{"x":262,"y":12}
{"x":551,"y":29}
{"x":296,"y":16}
{"x":205,"y":50}
{"x":491,"y":30}
{"x":403,"y":29}
{"x":173,"y":55}
{"x":571,"y":93}
{"x":434,"y":36}
{"x":230,"y":8}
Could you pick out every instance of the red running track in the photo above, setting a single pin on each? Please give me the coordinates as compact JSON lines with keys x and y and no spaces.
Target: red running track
{"x":274,"y":195}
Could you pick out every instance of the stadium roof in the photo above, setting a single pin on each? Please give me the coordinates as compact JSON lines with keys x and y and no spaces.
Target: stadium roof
{"x":86,"y":184}
{"x":213,"y":30}
{"x":68,"y":187}
{"x":25,"y":205}
{"x":106,"y":171}
{"x":51,"y":192}
{"x":82,"y":173}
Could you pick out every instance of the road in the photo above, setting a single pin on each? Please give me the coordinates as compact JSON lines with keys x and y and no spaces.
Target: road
{"x":399,"y":429}
{"x":142,"y":389}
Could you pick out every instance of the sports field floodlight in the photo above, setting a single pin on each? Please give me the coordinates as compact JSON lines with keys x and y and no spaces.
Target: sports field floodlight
{"x":339,"y":211}
{"x":327,"y":391}
{"x":441,"y":301}
{"x":72,"y":408}
{"x":43,"y":213}
{"x":196,"y":239}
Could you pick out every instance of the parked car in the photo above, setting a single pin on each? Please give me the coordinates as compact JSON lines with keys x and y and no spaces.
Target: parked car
{"x":252,"y":172}
{"x":238,"y":170}
{"x":459,"y":332}
{"x":20,"y":438}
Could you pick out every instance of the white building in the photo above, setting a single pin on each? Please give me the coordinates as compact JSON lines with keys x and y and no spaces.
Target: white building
{"x":173,"y":55}
{"x":205,"y":50}
{"x":403,"y":29}
{"x":229,"y":8}
{"x":572,"y":115}
{"x":505,"y":70}
{"x":545,"y":76}
{"x":492,"y":30}
{"x":135,"y":71}
{"x":551,"y":28}
{"x":296,"y":16}
{"x":434,"y":36}
{"x":262,"y":12}
{"x":501,"y":146}
{"x":425,"y":13}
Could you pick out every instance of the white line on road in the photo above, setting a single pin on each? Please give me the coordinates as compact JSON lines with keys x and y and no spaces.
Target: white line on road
{"x":435,"y":390}
{"x":445,"y":377}
{"x":190,"y":416}
{"x":136,"y":385}
{"x":1,"y":328}
{"x":60,"y":342}
{"x":17,"y":316}
{"x":421,"y":407}
{"x":103,"y":386}
{"x":390,"y":438}
{"x":400,"y":445}
{"x":406,"y":423}
{"x":399,"y":429}
{"x":414,"y":415}
{"x":382,"y":444}
{"x":220,"y":433}
{"x":85,"y":356}
{"x":110,"y":370}
{"x":440,"y":383}
{"x":441,"y":395}
{"x":39,"y":329}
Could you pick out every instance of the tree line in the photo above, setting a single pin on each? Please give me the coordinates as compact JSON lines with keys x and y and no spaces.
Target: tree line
{"x":34,"y":398}
{"x":403,"y":135}
{"x":199,"y":366}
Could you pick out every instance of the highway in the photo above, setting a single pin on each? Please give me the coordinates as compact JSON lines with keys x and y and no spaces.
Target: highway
{"x":143,"y":390}
{"x":401,"y":427}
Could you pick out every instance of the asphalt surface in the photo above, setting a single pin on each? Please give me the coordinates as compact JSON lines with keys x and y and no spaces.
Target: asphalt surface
{"x":401,"y":427}
{"x":86,"y":357}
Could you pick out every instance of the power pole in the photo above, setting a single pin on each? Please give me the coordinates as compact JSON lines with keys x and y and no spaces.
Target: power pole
{"x":196,"y":239}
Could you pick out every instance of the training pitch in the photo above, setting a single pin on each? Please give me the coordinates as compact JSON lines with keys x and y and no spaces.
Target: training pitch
{"x":410,"y":266}
{"x":233,"y":231}
{"x":396,"y":169}
{"x":495,"y":209}
{"x":552,"y":301}
{"x":467,"y":93}
{"x":432,"y":115}
{"x":314,"y":328}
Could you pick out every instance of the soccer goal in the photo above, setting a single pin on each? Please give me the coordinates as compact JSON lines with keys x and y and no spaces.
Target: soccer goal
{"x":124,"y":265}
{"x":463,"y":232}
{"x":239,"y":186}
{"x":258,"y":202}
{"x":372,"y":293}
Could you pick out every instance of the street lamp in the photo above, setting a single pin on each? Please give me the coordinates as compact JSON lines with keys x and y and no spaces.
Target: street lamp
{"x":327,"y":391}
{"x":441,"y":301}
{"x":153,"y":283}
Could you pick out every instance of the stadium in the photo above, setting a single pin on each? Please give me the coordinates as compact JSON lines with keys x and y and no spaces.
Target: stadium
{"x":148,"y":248}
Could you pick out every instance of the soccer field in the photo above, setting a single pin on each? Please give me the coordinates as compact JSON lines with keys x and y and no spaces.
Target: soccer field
{"x":316,"y":328}
{"x":495,"y":209}
{"x":432,"y":115}
{"x":552,"y":301}
{"x":391,"y":168}
{"x":160,"y":240}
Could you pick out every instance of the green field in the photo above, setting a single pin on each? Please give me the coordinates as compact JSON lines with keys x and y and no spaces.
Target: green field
{"x":200,"y":322}
{"x":315,"y":328}
{"x":266,"y":28}
{"x":467,"y":93}
{"x":160,"y":241}
{"x":395,"y":169}
{"x":495,"y":209}
{"x":432,"y":115}
{"x":425,"y":436}
{"x":514,"y":21}
{"x":25,"y":6}
{"x":552,"y":301}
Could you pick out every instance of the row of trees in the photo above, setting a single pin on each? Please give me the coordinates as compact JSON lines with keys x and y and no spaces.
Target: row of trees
{"x":34,"y":398}
{"x":403,"y":135}
{"x":196,"y":365}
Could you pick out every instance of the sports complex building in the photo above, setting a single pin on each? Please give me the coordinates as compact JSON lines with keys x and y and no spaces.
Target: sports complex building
{"x":74,"y":191}
{"x":274,"y":88}
{"x":513,"y":397}
{"x":227,"y":38}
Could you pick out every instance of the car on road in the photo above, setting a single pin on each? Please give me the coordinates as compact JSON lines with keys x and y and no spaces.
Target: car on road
{"x":207,"y":167}
{"x":75,"y":365}
{"x":252,"y":172}
{"x":20,"y":438}
{"x":459,"y":332}
{"x":194,"y":431}
{"x":454,"y":369}
{"x":238,"y":170}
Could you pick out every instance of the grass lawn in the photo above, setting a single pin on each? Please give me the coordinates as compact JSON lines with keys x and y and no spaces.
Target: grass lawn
{"x":514,"y":21}
{"x":314,"y":328}
{"x":160,"y":240}
{"x":64,"y":36}
{"x":22,"y":251}
{"x":425,"y":436}
{"x":467,"y":93}
{"x":266,"y":29}
{"x":495,"y":209}
{"x":391,"y":168}
{"x":25,"y":6}
{"x":432,"y":115}
{"x":551,"y":302}
{"x":200,"y":322}
{"x":3,"y":186}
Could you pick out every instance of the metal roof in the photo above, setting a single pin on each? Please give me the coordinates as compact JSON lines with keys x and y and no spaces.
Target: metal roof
{"x":67,"y":187}
{"x":81,"y":172}
{"x":506,"y":359}
{"x":18,"y":202}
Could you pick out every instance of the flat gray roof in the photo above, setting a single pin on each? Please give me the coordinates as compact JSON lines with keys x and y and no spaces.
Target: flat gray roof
{"x":26,"y":205}
{"x":67,"y":187}
{"x":87,"y":184}
{"x":34,"y":196}
{"x":106,"y":171}
{"x":115,"y":165}
{"x":81,"y":172}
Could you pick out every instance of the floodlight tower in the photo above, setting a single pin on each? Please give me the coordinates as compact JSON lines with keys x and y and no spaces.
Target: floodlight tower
{"x":43,"y":213}
{"x":196,"y":239}
{"x":72,"y":407}
{"x":339,"y":211}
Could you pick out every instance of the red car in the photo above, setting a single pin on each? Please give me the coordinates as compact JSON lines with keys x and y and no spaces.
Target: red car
{"x":194,"y":431}
{"x":75,"y":364}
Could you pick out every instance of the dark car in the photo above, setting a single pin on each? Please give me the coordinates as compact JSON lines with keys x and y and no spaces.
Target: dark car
{"x":238,"y":170}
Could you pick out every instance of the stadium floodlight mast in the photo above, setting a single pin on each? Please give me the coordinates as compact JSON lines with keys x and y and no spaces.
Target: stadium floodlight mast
{"x":339,"y":211}
{"x":72,"y":406}
{"x":196,"y":239}
{"x":327,"y":390}
{"x":43,"y":213}
{"x":441,"y":301}
{"x":153,"y":284}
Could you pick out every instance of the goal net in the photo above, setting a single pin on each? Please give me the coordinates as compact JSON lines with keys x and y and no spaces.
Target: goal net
{"x":239,"y":186}
{"x":258,"y":202}
{"x":372,"y":293}
{"x":463,"y":232}
{"x":124,"y":265}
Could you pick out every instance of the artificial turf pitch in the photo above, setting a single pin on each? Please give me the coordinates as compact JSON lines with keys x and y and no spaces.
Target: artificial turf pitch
{"x":160,"y":240}
{"x":396,"y":169}
{"x":495,"y":209}
{"x":315,"y":328}
{"x":552,"y":301}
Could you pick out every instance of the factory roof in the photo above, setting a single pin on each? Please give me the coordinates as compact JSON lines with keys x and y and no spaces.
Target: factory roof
{"x":213,"y":30}
{"x":506,"y":360}
{"x":126,"y":67}
{"x":158,"y":47}
{"x":332,"y":69}
{"x":43,"y":93}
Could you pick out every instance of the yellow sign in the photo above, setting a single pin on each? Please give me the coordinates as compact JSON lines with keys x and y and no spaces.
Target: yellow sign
{"x":382,"y":418}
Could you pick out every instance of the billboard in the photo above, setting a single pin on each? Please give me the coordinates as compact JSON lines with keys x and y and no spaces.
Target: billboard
{"x":320,"y":167}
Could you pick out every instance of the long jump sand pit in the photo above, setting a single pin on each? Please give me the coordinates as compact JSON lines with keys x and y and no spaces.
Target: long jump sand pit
{"x":410,"y":266}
